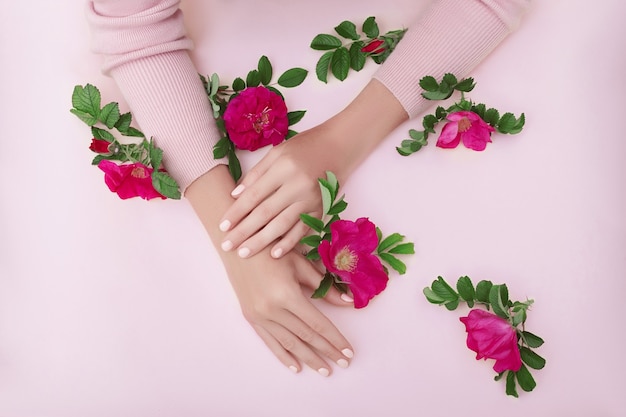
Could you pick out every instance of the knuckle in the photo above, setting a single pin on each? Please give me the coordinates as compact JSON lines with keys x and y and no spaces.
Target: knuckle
{"x":287,"y":342}
{"x":317,"y":326}
{"x":306,"y":335}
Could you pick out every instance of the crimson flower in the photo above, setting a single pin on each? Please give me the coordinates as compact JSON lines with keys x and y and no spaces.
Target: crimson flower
{"x":129,"y":180}
{"x":492,"y":337}
{"x":374,"y":46}
{"x":468,"y":127}
{"x":99,"y":146}
{"x":349,"y":255}
{"x":256,"y":117}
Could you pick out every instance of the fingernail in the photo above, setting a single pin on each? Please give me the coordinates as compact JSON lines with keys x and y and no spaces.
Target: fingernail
{"x":238,"y":190}
{"x":348,"y":353}
{"x":227,"y":245}
{"x":225,"y":225}
{"x":345,"y":297}
{"x":277,"y":253}
{"x":244,"y":252}
{"x":323,"y":372}
{"x":293,"y":369}
{"x":342,"y":363}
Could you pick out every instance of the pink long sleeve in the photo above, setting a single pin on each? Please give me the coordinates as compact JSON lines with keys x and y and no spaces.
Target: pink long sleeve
{"x":453,"y":36}
{"x":145,"y":50}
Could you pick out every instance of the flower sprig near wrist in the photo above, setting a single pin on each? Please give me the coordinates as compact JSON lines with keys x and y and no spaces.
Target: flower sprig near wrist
{"x":139,"y":172}
{"x":468,"y":122}
{"x":339,"y":58}
{"x":500,"y":335}
{"x":353,"y":252}
{"x":252,"y":113}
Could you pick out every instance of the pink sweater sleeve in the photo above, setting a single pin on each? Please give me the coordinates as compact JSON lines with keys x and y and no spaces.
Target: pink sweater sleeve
{"x":144,"y":45}
{"x":453,"y":36}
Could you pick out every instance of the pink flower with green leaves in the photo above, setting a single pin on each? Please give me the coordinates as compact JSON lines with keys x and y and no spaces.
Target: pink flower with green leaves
{"x":350,"y":256}
{"x":492,"y":337}
{"x":466,"y":127}
{"x":129,"y":180}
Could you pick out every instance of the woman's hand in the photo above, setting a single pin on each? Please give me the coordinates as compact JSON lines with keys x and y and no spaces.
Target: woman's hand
{"x":271,"y":299}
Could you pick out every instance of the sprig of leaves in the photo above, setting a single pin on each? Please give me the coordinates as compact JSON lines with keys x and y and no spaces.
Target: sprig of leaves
{"x":495,"y":297}
{"x":220,"y":96}
{"x":333,"y":205}
{"x":86,"y":105}
{"x":443,"y":90}
{"x":340,"y":57}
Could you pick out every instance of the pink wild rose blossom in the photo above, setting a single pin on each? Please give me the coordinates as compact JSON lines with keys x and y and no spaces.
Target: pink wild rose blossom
{"x":129,"y":180}
{"x":255,"y":118}
{"x":468,"y":127}
{"x":99,"y":146}
{"x":349,"y":255}
{"x":492,"y":337}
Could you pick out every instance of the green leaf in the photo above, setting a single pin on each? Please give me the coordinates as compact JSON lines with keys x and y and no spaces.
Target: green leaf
{"x":313,"y":255}
{"x":215,"y":84}
{"x":325,"y":285}
{"x":444,"y":290}
{"x":466,"y":85}
{"x":292,"y":77}
{"x":87,"y":118}
{"x":519,"y":317}
{"x":389,"y":241}
{"x":323,"y":65}
{"x":277,"y":91}
{"x":417,"y":135}
{"x":370,"y":27}
{"x":519,"y":125}
{"x":110,"y":114}
{"x":440,"y":113}
{"x":403,"y":249}
{"x":429,"y":123}
{"x":333,"y":183}
{"x":234,"y":167}
{"x":499,"y":376}
{"x":221,"y":148}
{"x":165,"y":185}
{"x":340,"y":63}
{"x":511,"y":387}
{"x":327,"y":196}
{"x":506,"y":123}
{"x":357,"y":58}
{"x":525,"y":379}
{"x":532,"y":340}
{"x":324,"y":42}
{"x":253,"y":79}
{"x":495,"y":300}
{"x":156,"y":157}
{"x":449,"y":80}
{"x":313,"y":222}
{"x":452,"y":305}
{"x":132,"y":132}
{"x":265,"y":70}
{"x":290,"y":134}
{"x":123,"y":123}
{"x":479,"y":109}
{"x":311,"y":240}
{"x":466,"y":290}
{"x":393,"y":262}
{"x":295,"y":116}
{"x":86,"y":99}
{"x":404,"y":151}
{"x":102,"y":134}
{"x":531,"y":359}
{"x":432,"y":297}
{"x":238,"y":84}
{"x":483,"y":288}
{"x":429,"y":83}
{"x":492,"y":116}
{"x":338,"y":207}
{"x":347,"y":29}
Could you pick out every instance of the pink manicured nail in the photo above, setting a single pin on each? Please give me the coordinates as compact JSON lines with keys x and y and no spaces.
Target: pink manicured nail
{"x":346,"y":298}
{"x":277,"y":253}
{"x":244,"y":252}
{"x":224,"y":226}
{"x":342,"y":363}
{"x":227,"y":245}
{"x":348,"y":353}
{"x":293,"y":369}
{"x":323,"y":372}
{"x":238,"y":190}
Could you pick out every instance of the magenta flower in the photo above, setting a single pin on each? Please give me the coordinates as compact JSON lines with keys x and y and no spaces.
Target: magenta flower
{"x":129,"y":180}
{"x":256,"y":117}
{"x":349,"y":255}
{"x":468,"y":127}
{"x":374,"y":47}
{"x":99,"y":146}
{"x":492,"y":337}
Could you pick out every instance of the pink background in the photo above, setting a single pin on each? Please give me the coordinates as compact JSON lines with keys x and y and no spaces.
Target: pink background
{"x":122,"y":308}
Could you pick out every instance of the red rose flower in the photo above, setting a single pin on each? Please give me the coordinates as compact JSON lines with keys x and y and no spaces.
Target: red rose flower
{"x":492,"y":337}
{"x":468,"y":127}
{"x":256,"y":117}
{"x":129,"y":180}
{"x":99,"y":146}
{"x":374,"y":47}
{"x":349,"y":255}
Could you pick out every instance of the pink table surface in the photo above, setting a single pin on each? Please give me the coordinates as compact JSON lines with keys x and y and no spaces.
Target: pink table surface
{"x":122,"y":308}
